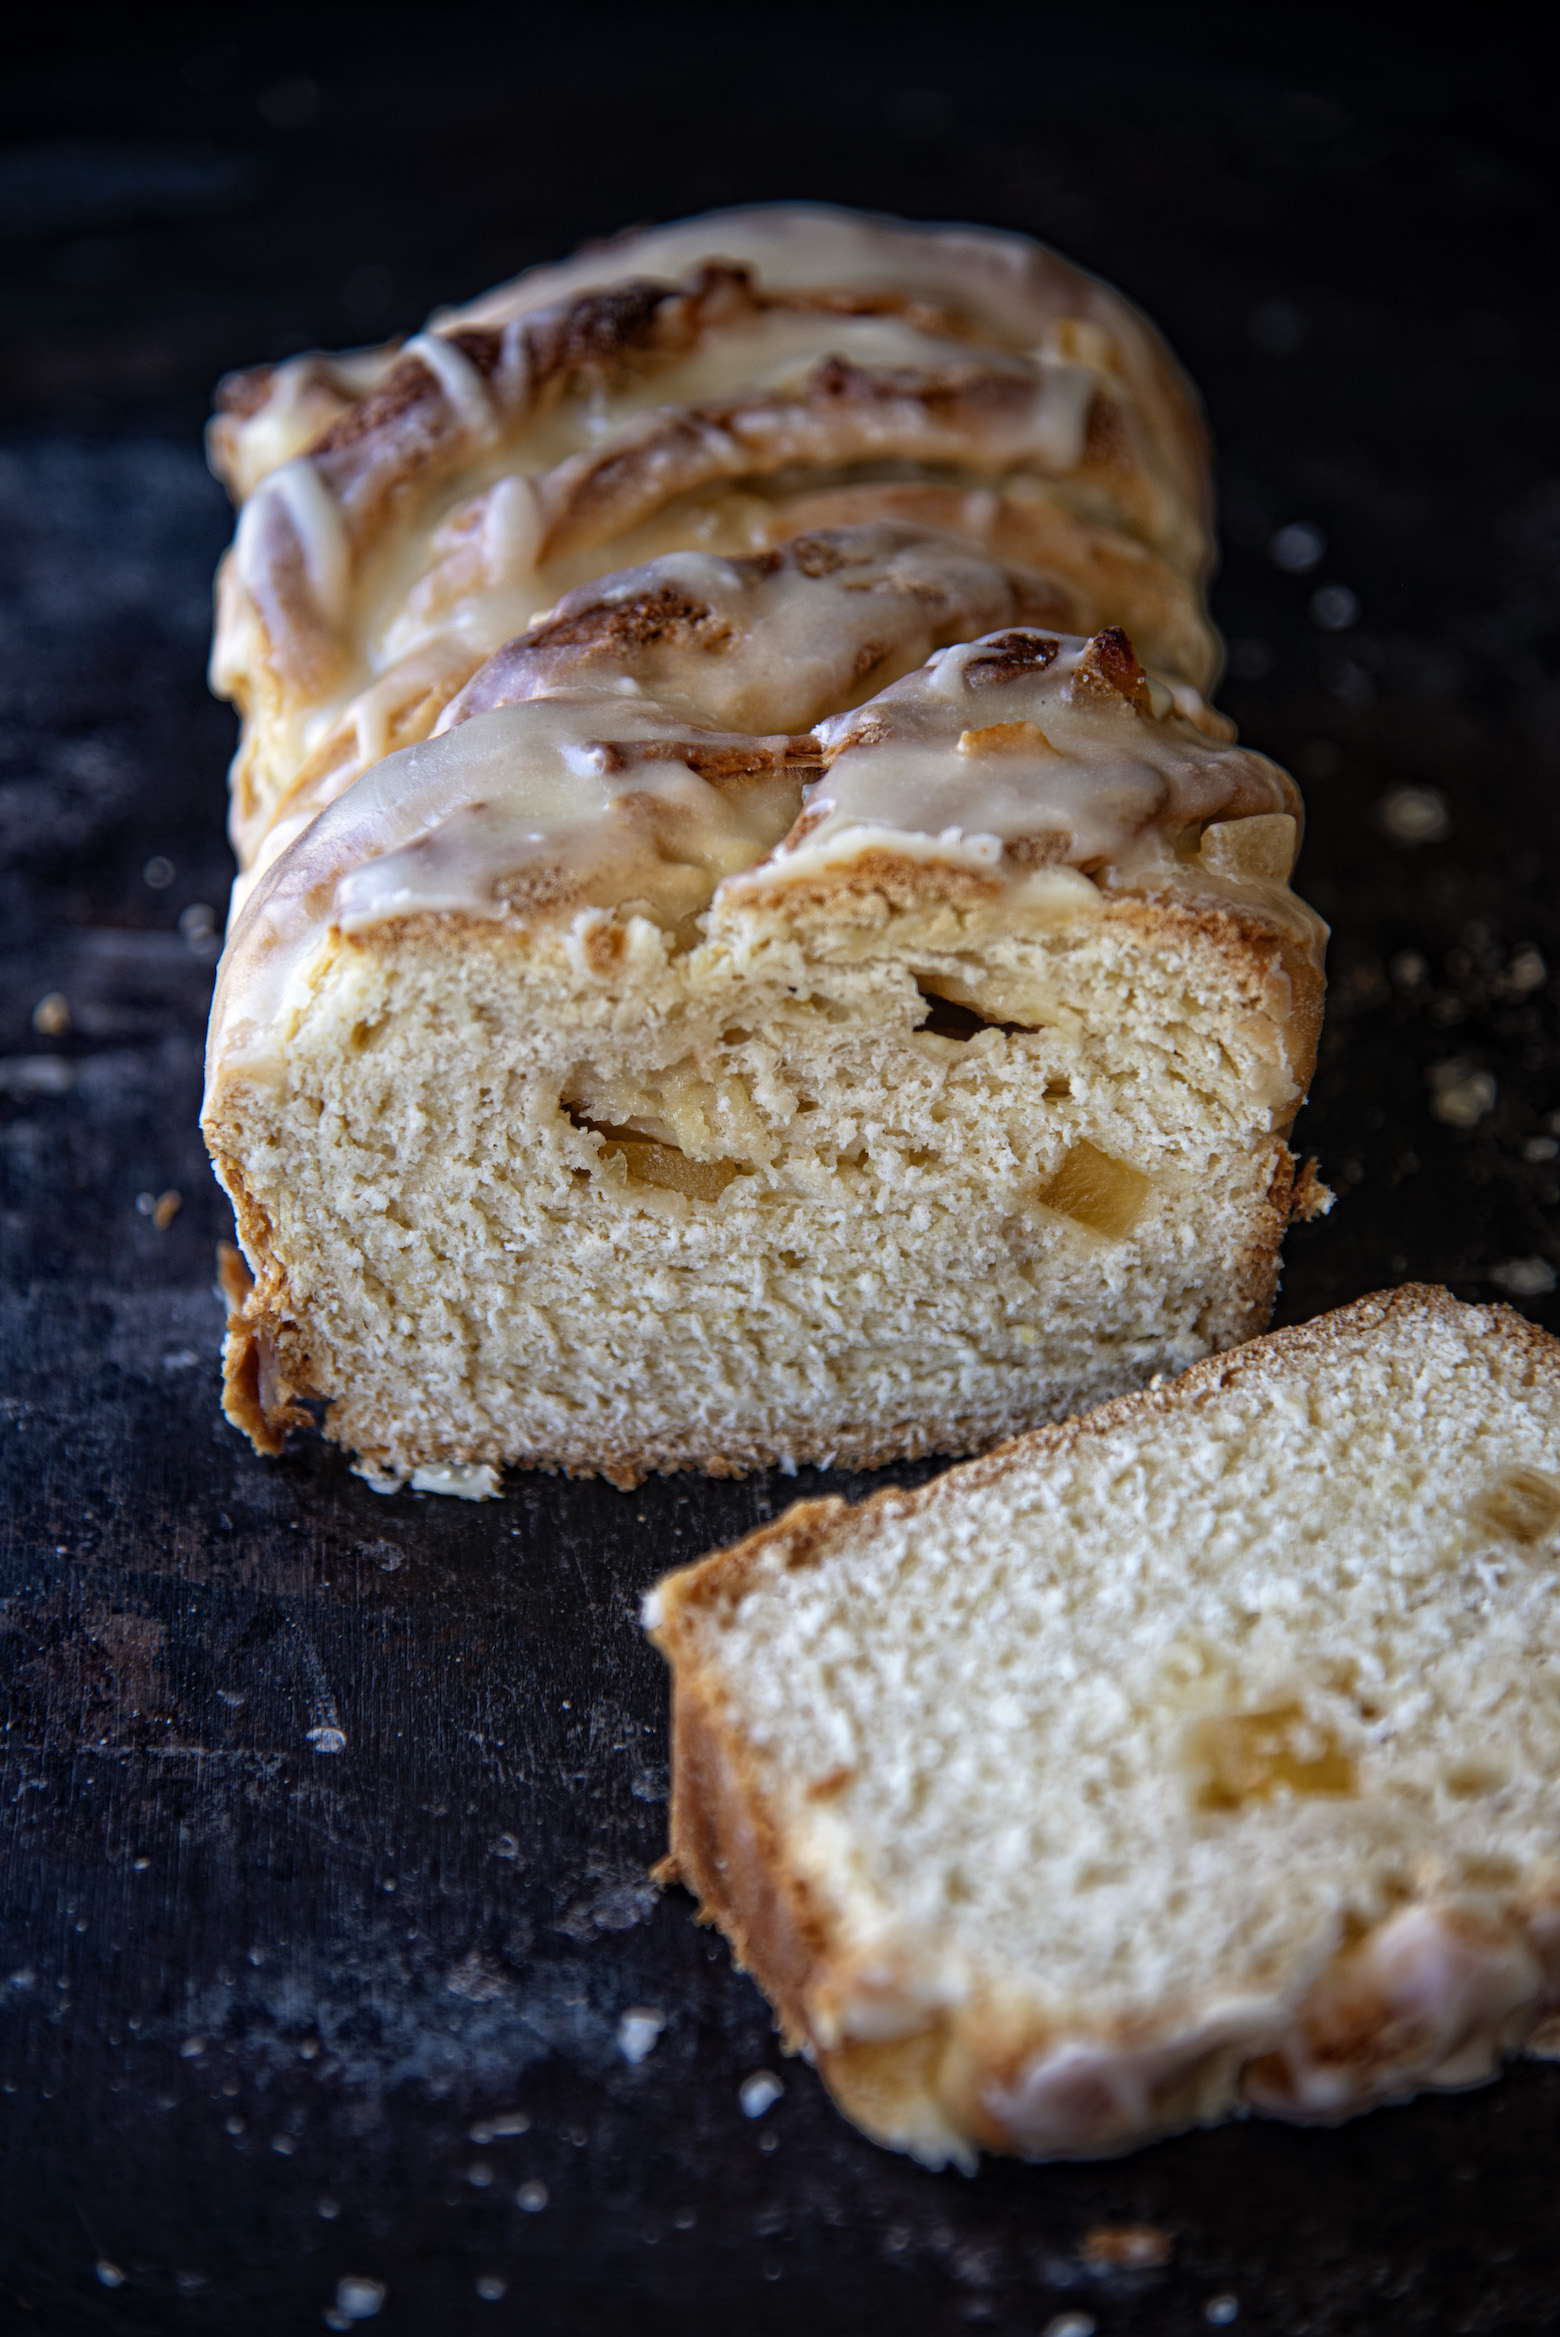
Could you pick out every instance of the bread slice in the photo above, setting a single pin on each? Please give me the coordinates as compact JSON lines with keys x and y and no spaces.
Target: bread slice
{"x":597,"y":1088}
{"x":1198,"y":1756}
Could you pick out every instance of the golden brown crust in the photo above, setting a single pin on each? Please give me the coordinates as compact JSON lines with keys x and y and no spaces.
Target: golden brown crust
{"x":264,"y":1364}
{"x":725,"y":1850}
{"x":251,"y":1398}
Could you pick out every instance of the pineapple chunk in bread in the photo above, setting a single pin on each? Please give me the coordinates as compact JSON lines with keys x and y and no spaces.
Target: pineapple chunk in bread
{"x":1198,"y":1756}
{"x":583,"y":1105}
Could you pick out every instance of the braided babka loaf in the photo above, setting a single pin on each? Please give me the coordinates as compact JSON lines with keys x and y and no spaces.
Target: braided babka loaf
{"x":721,"y":386}
{"x":753,"y":946}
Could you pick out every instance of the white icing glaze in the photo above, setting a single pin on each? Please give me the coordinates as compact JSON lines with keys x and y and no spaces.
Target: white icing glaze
{"x":898,"y":416}
{"x":965,"y":754}
{"x":532,"y":809}
{"x":460,"y":381}
{"x":296,"y":497}
{"x":552,"y":804}
{"x":779,"y":640}
{"x":300,"y":398}
{"x":777,"y":349}
{"x":1435,"y":1996}
{"x":593,"y":796}
{"x":1015,"y":288}
{"x":769,"y":644}
{"x":1084,"y":2097}
{"x":1066,"y":391}
{"x":511,"y":530}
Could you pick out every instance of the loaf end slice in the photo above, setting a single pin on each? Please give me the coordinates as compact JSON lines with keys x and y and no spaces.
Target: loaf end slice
{"x":600,"y":1090}
{"x":1194,"y":1757}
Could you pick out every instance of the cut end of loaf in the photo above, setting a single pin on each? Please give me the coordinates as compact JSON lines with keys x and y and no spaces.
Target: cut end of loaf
{"x":1192,"y":1757}
{"x":825,"y":989}
{"x":825,"y":1188}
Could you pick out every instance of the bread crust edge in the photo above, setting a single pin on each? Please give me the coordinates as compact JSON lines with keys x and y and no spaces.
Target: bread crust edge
{"x":264,"y":1325}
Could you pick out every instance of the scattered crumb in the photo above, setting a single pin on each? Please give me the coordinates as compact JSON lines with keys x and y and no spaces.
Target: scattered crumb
{"x":1310,"y":1197}
{"x":51,"y":1015}
{"x":638,"y":2030}
{"x":1524,"y":1277}
{"x":358,"y":2299}
{"x":1459,"y":1095}
{"x":1126,"y":2247}
{"x":462,"y":1480}
{"x":759,"y":2093}
{"x":1415,"y":815}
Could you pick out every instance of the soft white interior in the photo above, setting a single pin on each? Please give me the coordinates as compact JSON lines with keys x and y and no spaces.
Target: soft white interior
{"x":861,"y":1259}
{"x":1010,"y":1736}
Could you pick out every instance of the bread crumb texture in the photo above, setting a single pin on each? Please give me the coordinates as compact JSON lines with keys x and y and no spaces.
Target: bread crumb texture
{"x":828,"y":1185}
{"x":1197,"y":1757}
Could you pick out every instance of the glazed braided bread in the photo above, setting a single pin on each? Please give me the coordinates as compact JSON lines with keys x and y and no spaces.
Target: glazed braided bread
{"x":807,"y":994}
{"x":720,"y":387}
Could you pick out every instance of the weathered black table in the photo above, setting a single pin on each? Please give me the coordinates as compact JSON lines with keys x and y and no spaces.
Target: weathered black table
{"x":325,"y":1818}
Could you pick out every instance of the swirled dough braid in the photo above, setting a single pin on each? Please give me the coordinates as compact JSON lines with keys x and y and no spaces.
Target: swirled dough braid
{"x":720,"y":386}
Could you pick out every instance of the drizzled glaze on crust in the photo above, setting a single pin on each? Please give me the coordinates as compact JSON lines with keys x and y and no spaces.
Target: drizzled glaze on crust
{"x":1015,"y":293}
{"x":767,"y":643}
{"x":407,"y":510}
{"x":1043,"y":746}
{"x":1024,"y":768}
{"x":452,"y":397}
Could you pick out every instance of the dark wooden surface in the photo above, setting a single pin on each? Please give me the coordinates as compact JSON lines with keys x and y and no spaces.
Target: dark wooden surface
{"x":256,"y":1995}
